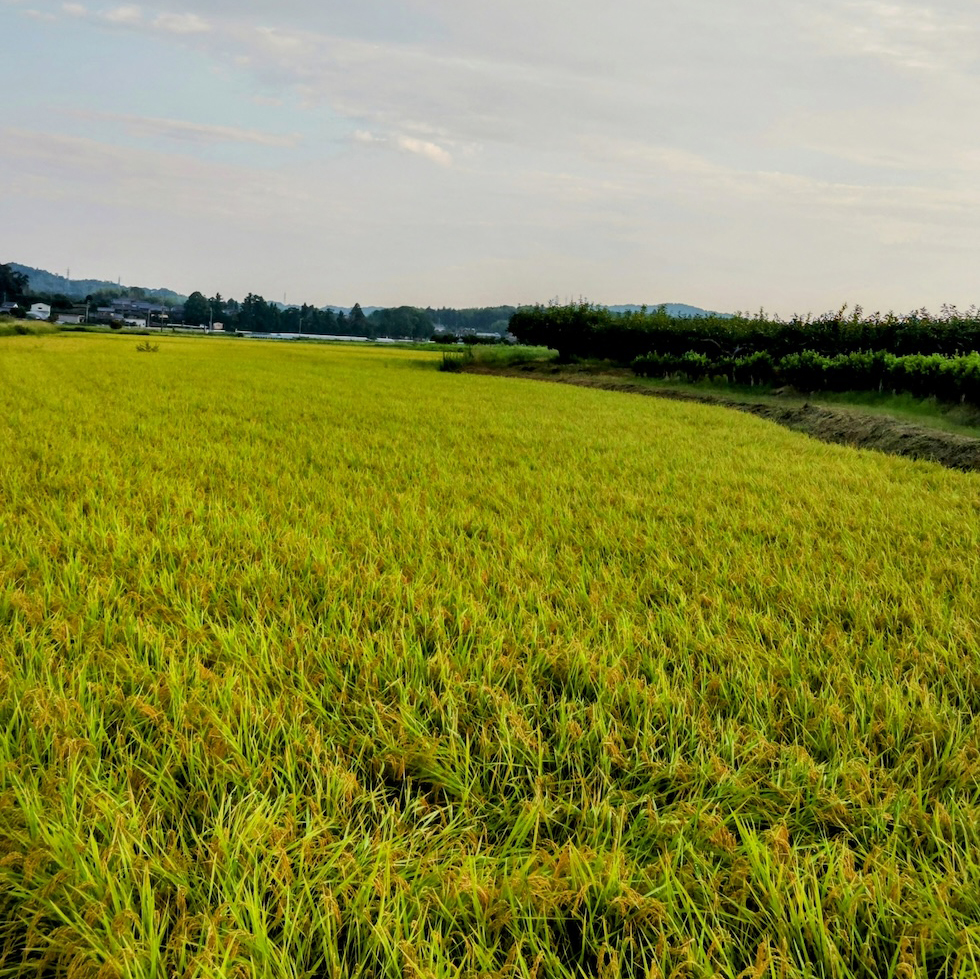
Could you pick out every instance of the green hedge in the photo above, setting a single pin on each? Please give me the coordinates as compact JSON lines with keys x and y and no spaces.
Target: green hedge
{"x":582,"y":330}
{"x":924,"y":376}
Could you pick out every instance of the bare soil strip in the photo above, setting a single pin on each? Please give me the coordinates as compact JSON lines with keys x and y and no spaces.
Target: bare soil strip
{"x":844,"y":426}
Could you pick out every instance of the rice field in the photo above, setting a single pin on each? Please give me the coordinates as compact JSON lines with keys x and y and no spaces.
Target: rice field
{"x":319,"y":662}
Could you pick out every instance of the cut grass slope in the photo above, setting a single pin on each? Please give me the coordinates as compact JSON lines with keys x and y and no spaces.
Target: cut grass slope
{"x":319,"y":662}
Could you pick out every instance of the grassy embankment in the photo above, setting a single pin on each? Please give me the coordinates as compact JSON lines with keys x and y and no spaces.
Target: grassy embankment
{"x":961,"y":419}
{"x":319,"y":662}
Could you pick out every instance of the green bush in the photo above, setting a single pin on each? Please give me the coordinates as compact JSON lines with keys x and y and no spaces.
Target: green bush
{"x":932,"y":376}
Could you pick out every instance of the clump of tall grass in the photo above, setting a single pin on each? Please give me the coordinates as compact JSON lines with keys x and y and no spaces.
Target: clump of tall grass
{"x":493,"y":355}
{"x":505,"y":355}
{"x":455,"y":361}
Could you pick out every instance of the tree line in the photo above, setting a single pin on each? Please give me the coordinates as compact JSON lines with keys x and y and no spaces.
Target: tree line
{"x":586,"y":331}
{"x":255,"y":314}
{"x":917,"y":353}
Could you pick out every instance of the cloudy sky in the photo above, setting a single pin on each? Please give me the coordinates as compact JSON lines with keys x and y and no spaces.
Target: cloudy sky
{"x":727,"y":153}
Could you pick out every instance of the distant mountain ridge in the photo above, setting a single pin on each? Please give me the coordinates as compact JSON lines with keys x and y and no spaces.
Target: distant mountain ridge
{"x":41,"y":280}
{"x":672,"y":309}
{"x":366,"y":310}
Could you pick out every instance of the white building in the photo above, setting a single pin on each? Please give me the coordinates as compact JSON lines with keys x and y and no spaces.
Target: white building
{"x":39,"y":311}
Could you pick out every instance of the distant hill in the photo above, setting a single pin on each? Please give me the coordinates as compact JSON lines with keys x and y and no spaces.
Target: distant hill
{"x":366,"y":310}
{"x":672,"y":309}
{"x":42,"y":281}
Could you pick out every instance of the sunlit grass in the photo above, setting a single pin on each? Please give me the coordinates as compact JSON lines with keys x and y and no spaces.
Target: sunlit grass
{"x":10,"y":327}
{"x":315,"y":661}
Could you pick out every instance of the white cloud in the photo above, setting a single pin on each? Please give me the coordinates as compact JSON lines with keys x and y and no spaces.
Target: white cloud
{"x":115,"y":177}
{"x":193,"y":132}
{"x":408,"y":144}
{"x":909,"y":36}
{"x":278,"y":40}
{"x":424,"y":148}
{"x":131,"y":16}
{"x":181,"y":24}
{"x":125,"y":15}
{"x":777,"y":146}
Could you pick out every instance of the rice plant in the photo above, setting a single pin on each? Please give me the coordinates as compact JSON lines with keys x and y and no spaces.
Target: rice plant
{"x":318,"y":662}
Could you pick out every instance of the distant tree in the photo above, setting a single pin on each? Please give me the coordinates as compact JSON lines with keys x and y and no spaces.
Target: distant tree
{"x":230,"y":314}
{"x":217,"y":305}
{"x":313,"y":320}
{"x":102,"y":297}
{"x":402,"y":321}
{"x":13,"y":284}
{"x":483,"y":319}
{"x":358,"y":321}
{"x":258,"y":316}
{"x":197,"y":310}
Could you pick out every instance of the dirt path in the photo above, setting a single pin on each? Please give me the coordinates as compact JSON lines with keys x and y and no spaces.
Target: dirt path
{"x":845,"y":426}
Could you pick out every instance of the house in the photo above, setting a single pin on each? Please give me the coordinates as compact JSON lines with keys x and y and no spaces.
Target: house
{"x":76,"y":314}
{"x":138,"y":307}
{"x":39,"y":311}
{"x":9,"y":309}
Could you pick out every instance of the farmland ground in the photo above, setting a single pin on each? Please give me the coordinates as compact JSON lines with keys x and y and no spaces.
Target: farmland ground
{"x":315,"y":661}
{"x":896,"y":425}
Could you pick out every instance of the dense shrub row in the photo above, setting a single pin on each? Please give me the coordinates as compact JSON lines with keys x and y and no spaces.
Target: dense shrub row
{"x":924,"y":376}
{"x":588,"y":331}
